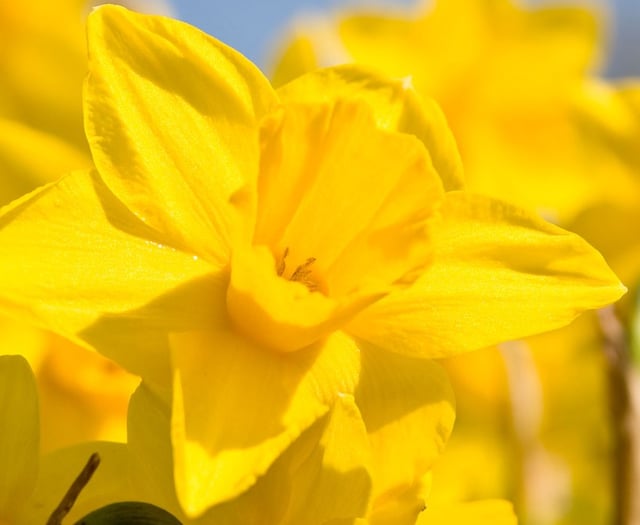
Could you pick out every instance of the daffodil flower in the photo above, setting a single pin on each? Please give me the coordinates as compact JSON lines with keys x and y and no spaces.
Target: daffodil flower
{"x":255,"y":254}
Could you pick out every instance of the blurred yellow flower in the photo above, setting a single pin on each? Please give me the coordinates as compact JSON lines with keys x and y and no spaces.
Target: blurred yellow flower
{"x":19,"y":437}
{"x":514,"y":85}
{"x":257,"y":255}
{"x":31,"y":487}
{"x":490,"y":512}
{"x":42,"y":66}
{"x":43,"y":63}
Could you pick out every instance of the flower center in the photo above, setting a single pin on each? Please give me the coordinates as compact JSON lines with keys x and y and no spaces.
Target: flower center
{"x":281,"y":309}
{"x":323,"y":249}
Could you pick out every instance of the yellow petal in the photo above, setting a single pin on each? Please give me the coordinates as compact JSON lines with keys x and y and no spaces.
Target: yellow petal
{"x":408,"y":407}
{"x":396,"y":107}
{"x":324,"y":473}
{"x":19,"y":438}
{"x":297,"y":58}
{"x":498,"y":273}
{"x":149,"y":446}
{"x":335,"y":481}
{"x":171,"y":117}
{"x":401,"y":507}
{"x":75,"y":261}
{"x":237,"y":407}
{"x":489,"y":512}
{"x":391,"y":41}
{"x":30,"y":158}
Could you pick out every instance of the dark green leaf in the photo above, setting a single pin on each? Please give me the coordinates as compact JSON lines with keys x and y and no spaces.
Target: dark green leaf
{"x":129,"y":513}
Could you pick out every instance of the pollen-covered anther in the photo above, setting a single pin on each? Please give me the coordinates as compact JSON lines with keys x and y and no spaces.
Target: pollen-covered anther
{"x":282,"y":265}
{"x":303,"y":273}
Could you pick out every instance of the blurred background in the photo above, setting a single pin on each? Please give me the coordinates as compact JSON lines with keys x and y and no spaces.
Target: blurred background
{"x":254,"y":26}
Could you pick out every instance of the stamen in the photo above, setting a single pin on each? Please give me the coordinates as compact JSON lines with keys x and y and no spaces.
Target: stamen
{"x":302,"y":274}
{"x":282,"y":264}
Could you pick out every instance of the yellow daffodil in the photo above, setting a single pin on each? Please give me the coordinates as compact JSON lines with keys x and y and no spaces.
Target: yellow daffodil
{"x":256,"y":255}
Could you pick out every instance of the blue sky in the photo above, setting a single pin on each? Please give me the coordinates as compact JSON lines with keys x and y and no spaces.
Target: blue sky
{"x":252,"y":26}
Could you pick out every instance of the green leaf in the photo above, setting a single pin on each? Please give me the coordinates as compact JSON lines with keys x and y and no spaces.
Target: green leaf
{"x":129,"y":513}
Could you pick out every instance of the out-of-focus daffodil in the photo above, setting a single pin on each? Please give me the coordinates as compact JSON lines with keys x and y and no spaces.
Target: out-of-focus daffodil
{"x":615,"y":227}
{"x":476,"y":513}
{"x":19,"y":438}
{"x":256,"y":256}
{"x":513,"y":84}
{"x":43,"y":64}
{"x":32,"y":487}
{"x":83,"y":396}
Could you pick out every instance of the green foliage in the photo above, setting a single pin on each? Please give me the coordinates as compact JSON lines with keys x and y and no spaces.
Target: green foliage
{"x":129,"y":513}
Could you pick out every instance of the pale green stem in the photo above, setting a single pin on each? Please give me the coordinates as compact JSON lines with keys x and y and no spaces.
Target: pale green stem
{"x":624,"y":396}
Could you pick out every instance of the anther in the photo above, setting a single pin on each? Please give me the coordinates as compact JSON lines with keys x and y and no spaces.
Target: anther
{"x":302,"y":274}
{"x":282,"y":264}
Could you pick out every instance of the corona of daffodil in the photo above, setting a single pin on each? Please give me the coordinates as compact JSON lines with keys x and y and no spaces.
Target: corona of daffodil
{"x":259,"y":255}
